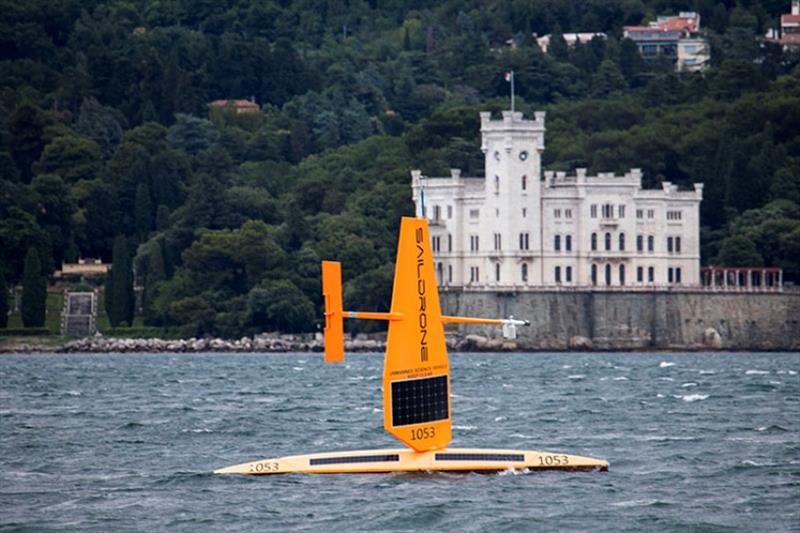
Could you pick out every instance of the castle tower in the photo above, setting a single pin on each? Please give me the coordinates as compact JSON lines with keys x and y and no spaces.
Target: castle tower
{"x":510,"y":226}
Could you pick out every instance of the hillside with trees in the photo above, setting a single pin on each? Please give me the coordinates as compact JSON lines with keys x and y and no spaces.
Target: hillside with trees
{"x":109,"y":147}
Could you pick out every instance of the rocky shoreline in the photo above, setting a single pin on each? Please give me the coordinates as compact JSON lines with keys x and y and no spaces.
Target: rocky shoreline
{"x":264,"y":343}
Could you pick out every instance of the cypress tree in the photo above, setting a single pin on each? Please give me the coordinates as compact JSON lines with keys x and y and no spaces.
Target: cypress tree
{"x":3,"y":300}
{"x":143,"y":211}
{"x":34,"y":291}
{"x":119,"y":286}
{"x":155,"y":273}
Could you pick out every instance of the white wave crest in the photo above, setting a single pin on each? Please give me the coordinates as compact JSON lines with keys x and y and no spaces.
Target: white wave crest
{"x":694,"y":397}
{"x":665,"y":364}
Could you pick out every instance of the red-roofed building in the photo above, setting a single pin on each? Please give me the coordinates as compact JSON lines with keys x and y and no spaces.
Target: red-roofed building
{"x":241,"y":106}
{"x":789,"y":33}
{"x":673,"y":37}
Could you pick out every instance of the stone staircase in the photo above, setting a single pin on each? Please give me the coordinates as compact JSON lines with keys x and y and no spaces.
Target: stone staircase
{"x":79,"y":317}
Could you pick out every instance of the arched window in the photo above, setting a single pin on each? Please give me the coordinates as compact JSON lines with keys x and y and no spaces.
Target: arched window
{"x":594,"y":241}
{"x":608,"y":241}
{"x":558,"y":274}
{"x":525,"y":272}
{"x":568,"y":243}
{"x":524,"y":183}
{"x":622,"y":274}
{"x":594,"y":274}
{"x":650,"y":243}
{"x":557,"y":243}
{"x":639,"y":243}
{"x":608,"y":274}
{"x":622,"y":242}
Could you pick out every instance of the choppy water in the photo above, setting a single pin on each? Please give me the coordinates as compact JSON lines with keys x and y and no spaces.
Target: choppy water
{"x":127,"y":442}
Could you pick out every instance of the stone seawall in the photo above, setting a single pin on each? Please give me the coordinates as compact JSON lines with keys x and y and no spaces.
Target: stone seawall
{"x":617,"y":320}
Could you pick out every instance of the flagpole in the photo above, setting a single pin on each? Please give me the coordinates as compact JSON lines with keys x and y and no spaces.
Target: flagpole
{"x":512,"y":91}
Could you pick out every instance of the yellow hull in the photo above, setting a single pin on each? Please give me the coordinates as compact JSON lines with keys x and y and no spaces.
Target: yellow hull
{"x":407,"y":460}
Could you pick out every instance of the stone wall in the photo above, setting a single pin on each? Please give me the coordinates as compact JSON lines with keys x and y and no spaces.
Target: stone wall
{"x":616,"y":320}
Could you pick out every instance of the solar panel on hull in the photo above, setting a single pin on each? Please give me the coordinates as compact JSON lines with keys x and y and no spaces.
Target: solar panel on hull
{"x":354,"y":459}
{"x":514,"y":457}
{"x":418,"y":401}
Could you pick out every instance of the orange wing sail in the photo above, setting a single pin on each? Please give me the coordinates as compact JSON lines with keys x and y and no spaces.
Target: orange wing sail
{"x":416,"y":372}
{"x":334,"y":315}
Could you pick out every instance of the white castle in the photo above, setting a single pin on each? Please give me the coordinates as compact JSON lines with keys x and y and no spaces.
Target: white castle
{"x":513,"y":230}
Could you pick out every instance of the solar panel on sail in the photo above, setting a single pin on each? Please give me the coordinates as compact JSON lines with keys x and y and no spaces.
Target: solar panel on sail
{"x":418,"y":401}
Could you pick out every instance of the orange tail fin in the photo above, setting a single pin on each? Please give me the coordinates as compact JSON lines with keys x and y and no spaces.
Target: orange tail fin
{"x":334,"y":314}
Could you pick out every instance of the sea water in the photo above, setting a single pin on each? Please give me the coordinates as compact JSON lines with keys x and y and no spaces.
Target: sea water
{"x":127,"y":442}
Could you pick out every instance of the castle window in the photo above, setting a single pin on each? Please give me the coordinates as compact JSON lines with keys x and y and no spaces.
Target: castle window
{"x":677,"y":245}
{"x":496,"y":183}
{"x":449,"y":211}
{"x":640,"y":213}
{"x":473,"y":243}
{"x":497,"y":241}
{"x":557,"y":243}
{"x":640,"y":274}
{"x":524,"y":212}
{"x":524,"y":183}
{"x":439,"y":273}
{"x":449,"y":242}
{"x":674,"y":215}
{"x":622,"y":242}
{"x":608,"y":211}
{"x":639,"y":243}
{"x":608,"y":274}
{"x":558,"y":274}
{"x":651,"y":213}
{"x":608,"y":241}
{"x":622,"y":274}
{"x":556,"y":213}
{"x":651,"y":243}
{"x":651,"y":274}
{"x":568,"y":274}
{"x":621,"y":210}
{"x":568,"y":243}
{"x":474,"y":213}
{"x":593,"y":211}
{"x":678,"y":275}
{"x":594,"y":274}
{"x":473,"y":275}
{"x":524,"y":272}
{"x":669,"y":275}
{"x":524,"y":241}
{"x":497,"y":271}
{"x":594,"y":242}
{"x":450,"y":273}
{"x":437,"y":213}
{"x":567,"y":213}
{"x":669,"y":244}
{"x":435,"y":243}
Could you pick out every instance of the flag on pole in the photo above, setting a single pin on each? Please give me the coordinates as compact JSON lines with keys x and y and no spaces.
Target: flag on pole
{"x":509,"y":77}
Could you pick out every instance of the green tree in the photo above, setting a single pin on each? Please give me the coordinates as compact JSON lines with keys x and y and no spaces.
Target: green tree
{"x":143,"y":214}
{"x":71,"y":157}
{"x":3,"y":299}
{"x":190,"y":134}
{"x":34,"y":291}
{"x":101,"y":124}
{"x":26,"y":126}
{"x":280,"y":305}
{"x":738,"y":251}
{"x":119,"y":295}
{"x":607,"y":80}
